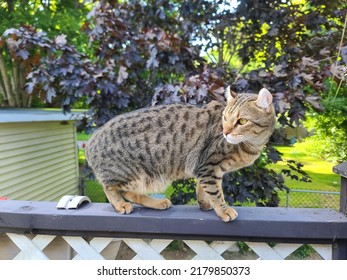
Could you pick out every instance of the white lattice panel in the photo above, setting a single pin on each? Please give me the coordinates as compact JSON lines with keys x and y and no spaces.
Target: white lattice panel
{"x":205,"y":251}
{"x":278,"y":252}
{"x":93,"y":248}
{"x":30,"y":249}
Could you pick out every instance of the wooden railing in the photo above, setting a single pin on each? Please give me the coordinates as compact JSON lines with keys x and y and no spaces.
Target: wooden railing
{"x":90,"y":229}
{"x":95,"y":228}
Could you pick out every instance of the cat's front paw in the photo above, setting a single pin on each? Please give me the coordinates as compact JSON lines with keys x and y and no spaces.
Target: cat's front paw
{"x":163,"y":204}
{"x":124,"y":208}
{"x":227,"y":214}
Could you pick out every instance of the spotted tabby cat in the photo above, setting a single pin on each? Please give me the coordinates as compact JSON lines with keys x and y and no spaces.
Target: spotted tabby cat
{"x":143,"y":151}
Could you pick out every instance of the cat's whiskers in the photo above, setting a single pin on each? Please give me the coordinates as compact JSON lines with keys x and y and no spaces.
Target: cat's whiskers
{"x":250,"y":146}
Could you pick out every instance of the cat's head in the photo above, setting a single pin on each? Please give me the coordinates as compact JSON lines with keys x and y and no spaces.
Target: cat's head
{"x":248,"y":117}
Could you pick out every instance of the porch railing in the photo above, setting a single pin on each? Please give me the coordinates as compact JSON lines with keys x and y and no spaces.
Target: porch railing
{"x":95,"y":228}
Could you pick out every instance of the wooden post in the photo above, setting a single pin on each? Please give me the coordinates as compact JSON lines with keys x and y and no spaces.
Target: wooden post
{"x":341,"y":169}
{"x":343,"y":195}
{"x":340,"y":248}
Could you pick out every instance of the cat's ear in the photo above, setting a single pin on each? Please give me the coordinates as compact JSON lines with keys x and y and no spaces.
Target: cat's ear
{"x":264,"y":99}
{"x":229,"y":94}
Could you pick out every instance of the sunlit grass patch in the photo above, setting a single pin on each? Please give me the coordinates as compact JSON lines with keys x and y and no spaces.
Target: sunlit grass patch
{"x":318,"y":169}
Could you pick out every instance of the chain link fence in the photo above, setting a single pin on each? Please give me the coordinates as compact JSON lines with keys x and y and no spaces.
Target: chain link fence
{"x":310,"y":199}
{"x":292,"y":198}
{"x":92,"y":189}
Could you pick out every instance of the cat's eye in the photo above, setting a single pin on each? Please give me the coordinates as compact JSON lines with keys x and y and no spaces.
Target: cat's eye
{"x":242,"y":121}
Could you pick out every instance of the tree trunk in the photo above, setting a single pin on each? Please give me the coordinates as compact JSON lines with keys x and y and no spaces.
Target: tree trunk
{"x":15,"y":84}
{"x":8,"y":95}
{"x":2,"y":92}
{"x":26,"y":98}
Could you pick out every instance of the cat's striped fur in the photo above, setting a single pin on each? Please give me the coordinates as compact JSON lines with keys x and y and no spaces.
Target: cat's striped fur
{"x":143,"y":151}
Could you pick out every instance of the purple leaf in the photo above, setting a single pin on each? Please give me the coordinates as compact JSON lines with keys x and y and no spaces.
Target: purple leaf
{"x":10,"y":32}
{"x":315,"y":102}
{"x":30,"y":87}
{"x":344,"y":54}
{"x":122,"y":74}
{"x":60,"y":40}
{"x":50,"y":94}
{"x":23,"y":54}
{"x":242,"y":84}
{"x":152,"y":61}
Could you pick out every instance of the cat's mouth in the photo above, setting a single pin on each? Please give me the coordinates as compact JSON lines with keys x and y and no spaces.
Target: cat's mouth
{"x":233,"y":138}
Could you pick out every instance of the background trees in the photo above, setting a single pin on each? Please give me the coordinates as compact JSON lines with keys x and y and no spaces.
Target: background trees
{"x":52,"y":17}
{"x":116,"y":56}
{"x":164,"y":51}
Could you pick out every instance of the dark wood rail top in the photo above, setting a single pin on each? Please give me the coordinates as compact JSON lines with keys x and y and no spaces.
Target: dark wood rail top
{"x":178,"y":222}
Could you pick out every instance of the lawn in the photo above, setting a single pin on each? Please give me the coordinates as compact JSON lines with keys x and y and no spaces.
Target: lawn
{"x":318,"y":169}
{"x":322,"y":176}
{"x":82,"y":136}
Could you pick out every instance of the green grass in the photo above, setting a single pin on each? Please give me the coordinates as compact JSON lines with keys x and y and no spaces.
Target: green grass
{"x":322,"y":176}
{"x":82,"y":136}
{"x":95,"y":191}
{"x":319,"y":170}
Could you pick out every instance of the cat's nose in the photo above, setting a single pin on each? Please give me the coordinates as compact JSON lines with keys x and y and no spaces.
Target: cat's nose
{"x":226,"y":131}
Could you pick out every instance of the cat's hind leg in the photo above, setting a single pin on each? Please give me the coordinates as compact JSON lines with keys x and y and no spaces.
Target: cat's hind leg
{"x":114,"y":196}
{"x":147,"y":201}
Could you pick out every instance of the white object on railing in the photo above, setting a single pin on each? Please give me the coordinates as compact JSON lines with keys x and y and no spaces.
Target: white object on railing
{"x":72,"y":201}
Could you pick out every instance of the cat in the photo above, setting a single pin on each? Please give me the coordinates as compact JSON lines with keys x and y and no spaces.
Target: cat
{"x":145,"y":150}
